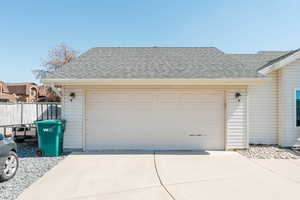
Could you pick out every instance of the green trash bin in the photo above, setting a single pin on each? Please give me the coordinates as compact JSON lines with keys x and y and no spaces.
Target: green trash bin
{"x":50,"y":137}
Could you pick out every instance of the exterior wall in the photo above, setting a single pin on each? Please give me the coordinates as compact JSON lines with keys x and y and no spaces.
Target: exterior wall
{"x":263,"y":111}
{"x":289,"y":80}
{"x":5,"y":96}
{"x":236,"y":115}
{"x":23,"y":91}
{"x":73,"y":112}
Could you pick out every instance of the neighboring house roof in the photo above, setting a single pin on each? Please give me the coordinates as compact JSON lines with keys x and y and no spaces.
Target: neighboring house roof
{"x":164,"y":63}
{"x":20,"y":88}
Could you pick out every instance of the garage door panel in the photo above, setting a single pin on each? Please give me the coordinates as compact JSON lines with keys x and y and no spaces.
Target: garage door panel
{"x":154,"y":120}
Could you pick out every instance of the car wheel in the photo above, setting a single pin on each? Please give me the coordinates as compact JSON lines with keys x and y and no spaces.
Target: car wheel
{"x":11,"y":165}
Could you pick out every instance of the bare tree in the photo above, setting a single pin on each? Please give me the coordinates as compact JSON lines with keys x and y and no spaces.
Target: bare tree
{"x":57,"y":57}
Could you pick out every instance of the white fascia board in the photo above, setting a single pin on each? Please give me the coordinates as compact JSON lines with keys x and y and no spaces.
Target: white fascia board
{"x":280,"y":63}
{"x":235,"y":81}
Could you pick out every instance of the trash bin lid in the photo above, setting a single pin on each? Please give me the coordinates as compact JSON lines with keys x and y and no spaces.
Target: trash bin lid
{"x":52,"y":121}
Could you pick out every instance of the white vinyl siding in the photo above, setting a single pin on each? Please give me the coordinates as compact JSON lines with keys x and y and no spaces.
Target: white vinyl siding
{"x":289,"y":82}
{"x":234,"y":120}
{"x":236,"y":126}
{"x":73,"y":113}
{"x":263,"y":111}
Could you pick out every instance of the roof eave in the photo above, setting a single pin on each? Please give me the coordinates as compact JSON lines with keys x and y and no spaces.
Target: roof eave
{"x":225,"y":81}
{"x":278,"y":65}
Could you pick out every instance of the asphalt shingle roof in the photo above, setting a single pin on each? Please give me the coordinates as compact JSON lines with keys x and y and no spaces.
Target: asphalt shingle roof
{"x":256,"y":61}
{"x":281,"y":57}
{"x":163,"y":63}
{"x":153,"y":63}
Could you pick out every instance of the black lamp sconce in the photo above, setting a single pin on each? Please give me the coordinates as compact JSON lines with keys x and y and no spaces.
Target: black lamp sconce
{"x":72,"y":96}
{"x":238,"y":96}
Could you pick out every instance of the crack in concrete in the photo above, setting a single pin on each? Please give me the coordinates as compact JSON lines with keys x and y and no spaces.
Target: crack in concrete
{"x":158,"y":176}
{"x":274,"y":172}
{"x":110,"y":193}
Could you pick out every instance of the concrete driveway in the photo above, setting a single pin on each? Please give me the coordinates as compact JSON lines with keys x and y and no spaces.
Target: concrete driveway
{"x":167,"y":176}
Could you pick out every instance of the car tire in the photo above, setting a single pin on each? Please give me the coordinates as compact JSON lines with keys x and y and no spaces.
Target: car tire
{"x":11,"y":165}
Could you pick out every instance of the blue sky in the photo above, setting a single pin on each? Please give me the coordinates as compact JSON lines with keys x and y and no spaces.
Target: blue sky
{"x":29,"y":28}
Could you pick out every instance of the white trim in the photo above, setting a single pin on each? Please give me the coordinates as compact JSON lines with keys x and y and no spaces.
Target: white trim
{"x":225,"y":119}
{"x":247,"y":119}
{"x":229,"y":81}
{"x":63,"y":104}
{"x":295,"y":106}
{"x":84,"y":120}
{"x":280,"y":64}
{"x":62,"y":112}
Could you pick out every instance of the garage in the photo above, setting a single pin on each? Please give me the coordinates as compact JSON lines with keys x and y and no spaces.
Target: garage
{"x":154,"y":119}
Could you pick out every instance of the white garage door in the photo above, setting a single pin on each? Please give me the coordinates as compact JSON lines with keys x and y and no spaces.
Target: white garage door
{"x":154,"y":120}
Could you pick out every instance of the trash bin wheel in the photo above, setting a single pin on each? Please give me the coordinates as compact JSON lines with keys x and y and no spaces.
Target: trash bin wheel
{"x":39,"y":152}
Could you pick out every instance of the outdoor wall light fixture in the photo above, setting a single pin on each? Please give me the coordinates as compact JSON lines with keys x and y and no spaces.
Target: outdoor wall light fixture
{"x":238,"y":96}
{"x":72,"y":96}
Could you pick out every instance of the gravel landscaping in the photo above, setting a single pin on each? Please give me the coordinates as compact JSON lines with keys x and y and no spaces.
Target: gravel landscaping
{"x":269,"y":152}
{"x":30,"y":169}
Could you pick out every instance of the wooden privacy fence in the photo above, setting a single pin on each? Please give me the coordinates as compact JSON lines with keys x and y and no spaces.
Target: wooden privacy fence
{"x":27,"y":113}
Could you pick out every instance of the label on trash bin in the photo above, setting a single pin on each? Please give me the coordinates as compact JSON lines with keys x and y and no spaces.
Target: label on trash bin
{"x":47,"y":129}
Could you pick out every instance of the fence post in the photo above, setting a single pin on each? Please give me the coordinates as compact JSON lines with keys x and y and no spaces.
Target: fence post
{"x":22,"y":113}
{"x":56,"y":109}
{"x":42,"y":107}
{"x":37,"y":111}
{"x":47,"y":111}
{"x":51,"y":106}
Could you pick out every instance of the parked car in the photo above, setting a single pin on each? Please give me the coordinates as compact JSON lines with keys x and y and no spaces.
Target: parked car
{"x":9,"y":161}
